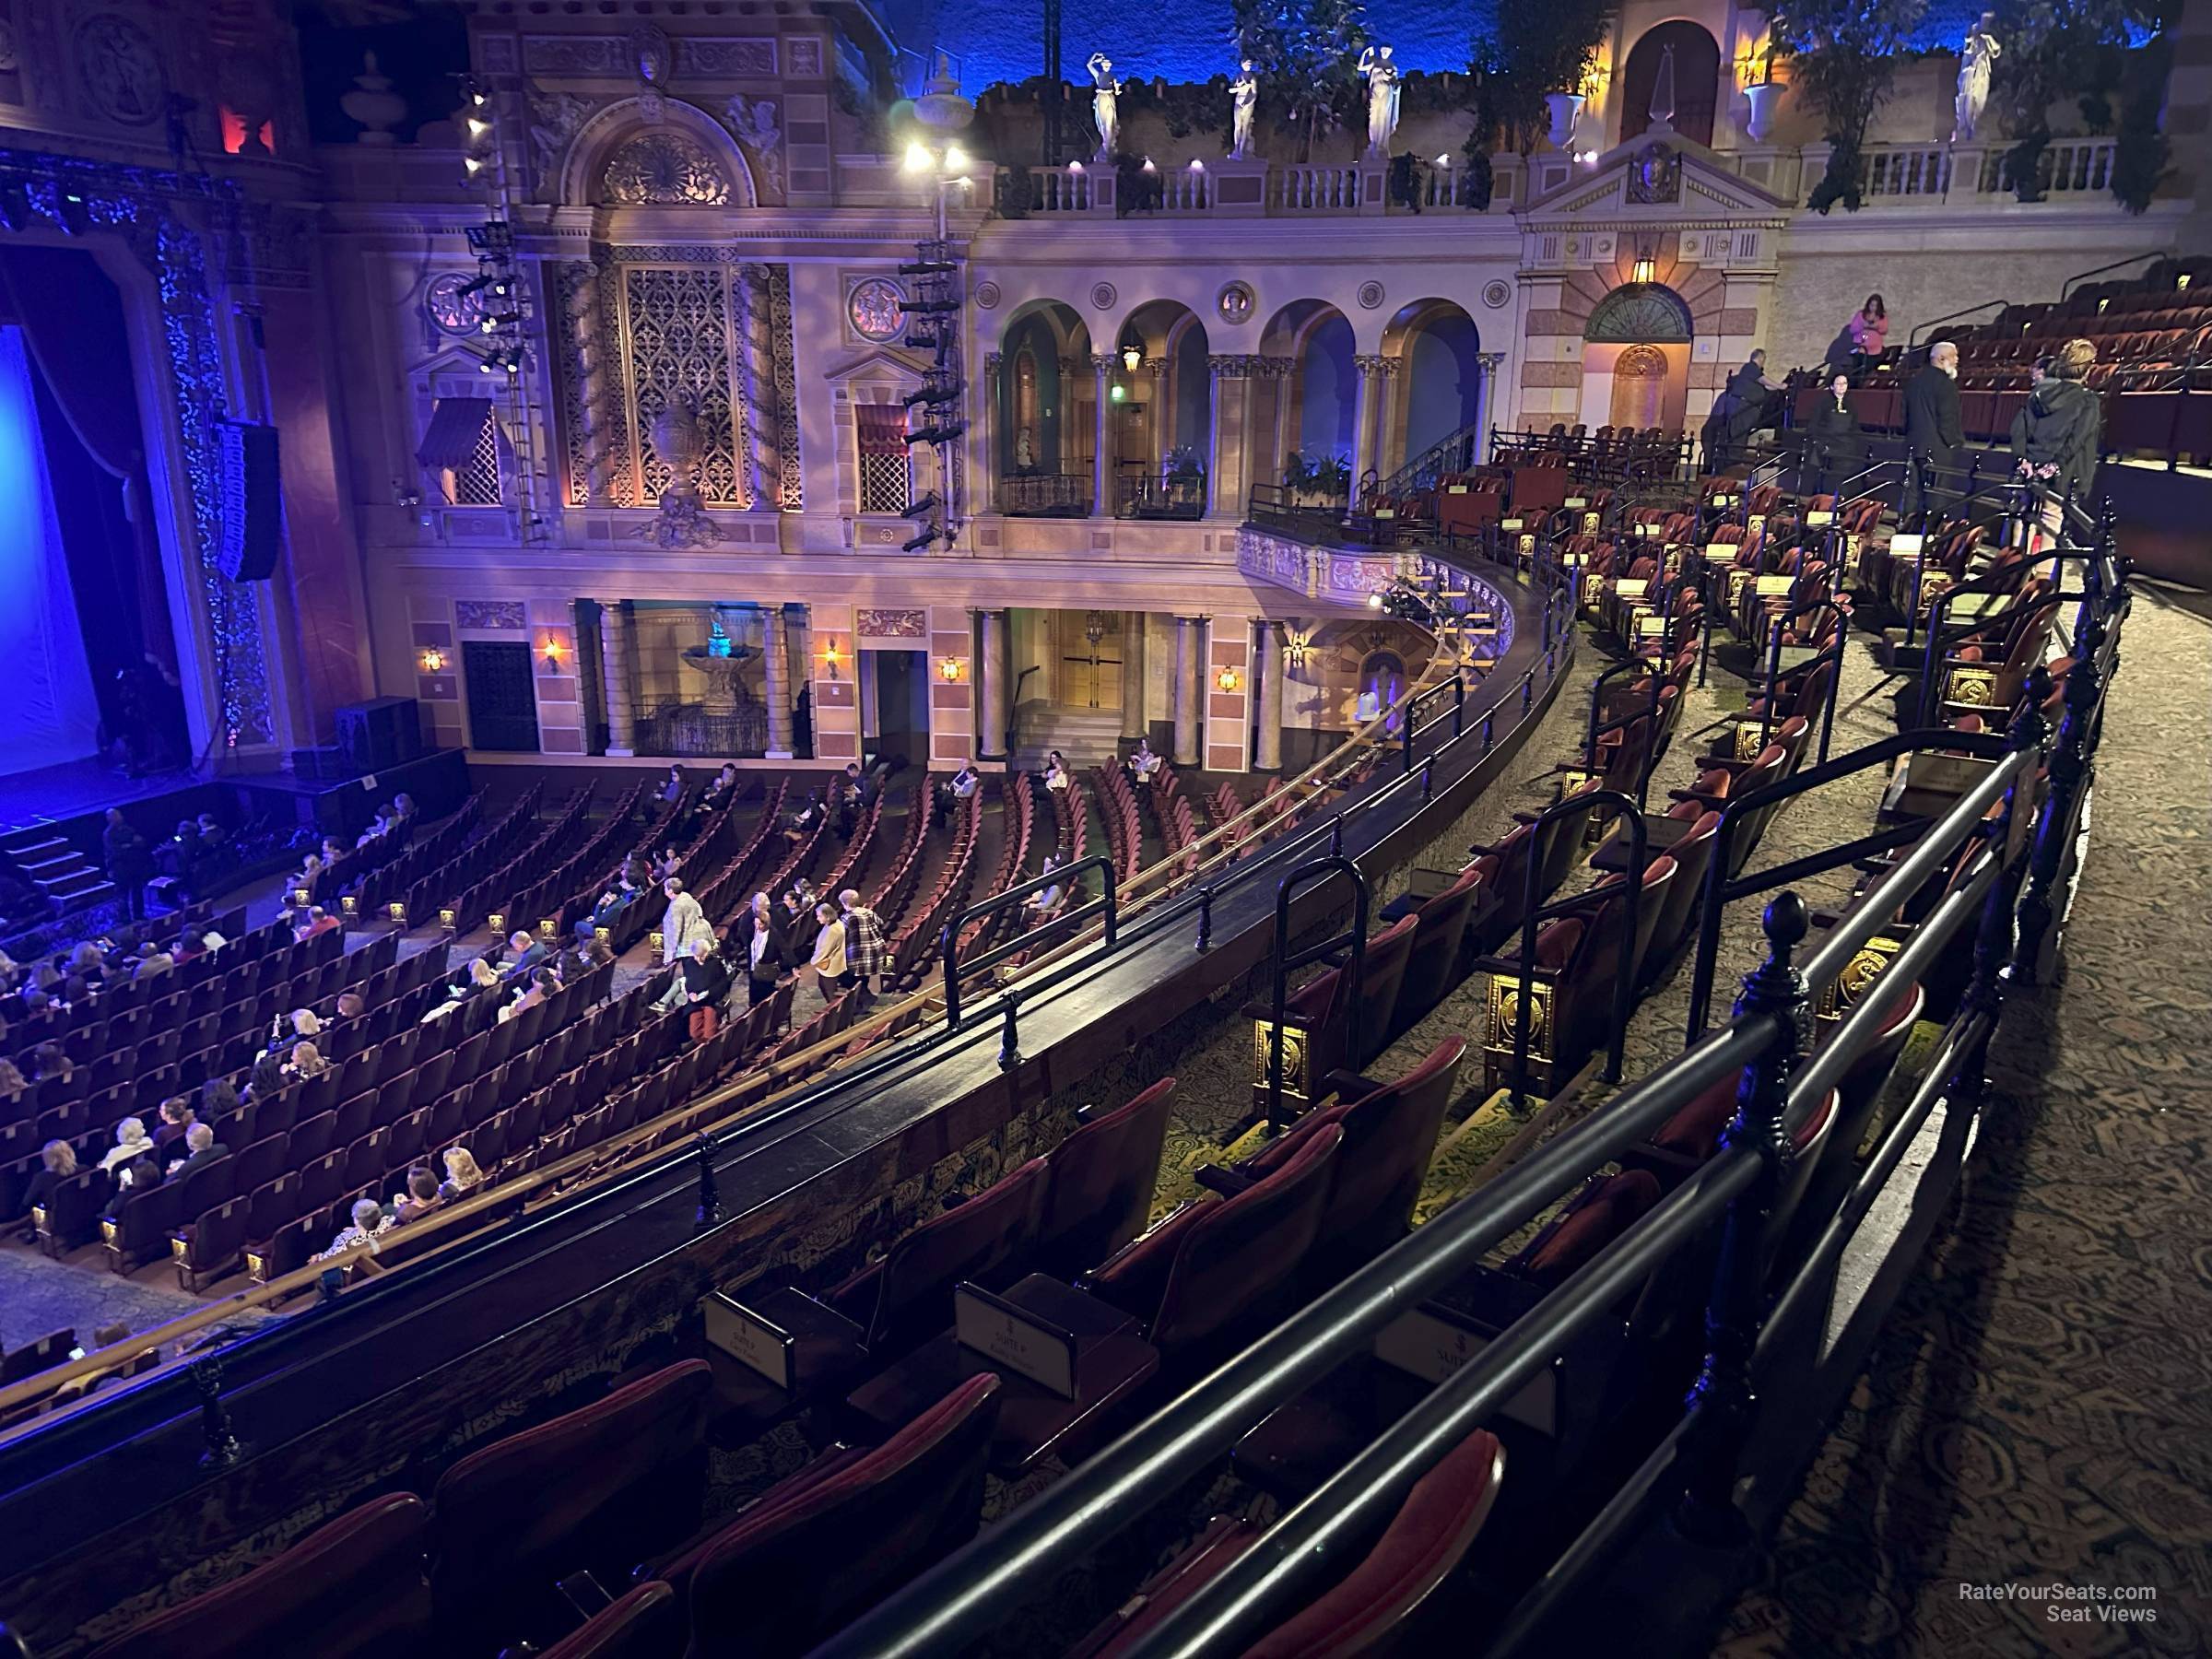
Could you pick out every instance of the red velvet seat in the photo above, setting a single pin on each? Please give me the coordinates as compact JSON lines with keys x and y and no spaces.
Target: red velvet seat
{"x":598,"y":1489}
{"x":648,"y":1623}
{"x":1100,"y":1181}
{"x":352,"y":1589}
{"x":1424,"y":1543}
{"x":908,"y":1294}
{"x":1389,"y":1135}
{"x":820,"y":1550}
{"x":1601,"y":1213}
{"x":1224,"y":1538}
{"x":1432,"y":967}
{"x":1218,"y":1268}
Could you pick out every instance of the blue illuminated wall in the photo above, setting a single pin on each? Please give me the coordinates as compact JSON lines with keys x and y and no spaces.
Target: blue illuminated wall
{"x":1189,"y":40}
{"x":49,"y":708}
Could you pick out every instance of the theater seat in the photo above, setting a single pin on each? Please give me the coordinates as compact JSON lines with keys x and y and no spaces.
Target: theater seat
{"x":1389,"y":1135}
{"x":1099,"y":1183}
{"x":1217,"y":1268}
{"x":908,"y":1294}
{"x":353,"y":1589}
{"x":1224,"y":1538}
{"x":598,"y":1489}
{"x":1424,"y":1543}
{"x":1601,"y":1213}
{"x":648,"y":1623}
{"x":814,"y":1554}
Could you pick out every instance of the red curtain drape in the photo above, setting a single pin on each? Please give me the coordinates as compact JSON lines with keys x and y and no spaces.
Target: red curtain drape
{"x":71,"y":315}
{"x":882,"y":429}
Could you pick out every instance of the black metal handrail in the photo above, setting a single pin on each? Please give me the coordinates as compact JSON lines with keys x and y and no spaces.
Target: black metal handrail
{"x":1354,"y":969}
{"x":949,"y":942}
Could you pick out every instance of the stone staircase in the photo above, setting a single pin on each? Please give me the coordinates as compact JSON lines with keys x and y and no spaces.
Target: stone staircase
{"x":1087,"y":737}
{"x":47,"y":860}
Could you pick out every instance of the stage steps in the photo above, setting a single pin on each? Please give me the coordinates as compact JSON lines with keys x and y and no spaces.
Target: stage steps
{"x":1088,"y":737}
{"x":56,"y":868}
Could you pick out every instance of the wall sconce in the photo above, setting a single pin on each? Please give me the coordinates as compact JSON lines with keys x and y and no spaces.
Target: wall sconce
{"x":432,"y":660}
{"x":1646,"y":268}
{"x":1133,"y":358}
{"x":949,"y":670}
{"x":1297,"y":649}
{"x":1229,"y":679}
{"x":552,"y":650}
{"x":830,"y":657}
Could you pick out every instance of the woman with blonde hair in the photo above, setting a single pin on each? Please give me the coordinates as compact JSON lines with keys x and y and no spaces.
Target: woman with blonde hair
{"x":12,"y":1081}
{"x":829,"y":961}
{"x":2056,"y":436}
{"x":462,"y":1175}
{"x":307,"y":1060}
{"x":58,"y":1159}
{"x":305,"y":1023}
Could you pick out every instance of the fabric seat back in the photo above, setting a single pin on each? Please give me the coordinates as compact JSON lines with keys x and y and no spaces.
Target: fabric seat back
{"x":1099,"y":1183}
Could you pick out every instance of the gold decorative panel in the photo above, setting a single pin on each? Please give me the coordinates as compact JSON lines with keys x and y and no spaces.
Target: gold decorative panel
{"x":1295,"y":1083}
{"x":677,"y":340}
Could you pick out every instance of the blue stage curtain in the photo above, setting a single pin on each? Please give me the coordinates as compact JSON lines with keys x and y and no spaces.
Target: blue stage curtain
{"x":48,"y":706}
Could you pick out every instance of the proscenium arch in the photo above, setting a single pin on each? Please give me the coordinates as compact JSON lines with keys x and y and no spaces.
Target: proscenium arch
{"x":1640,"y":311}
{"x":612,"y":128}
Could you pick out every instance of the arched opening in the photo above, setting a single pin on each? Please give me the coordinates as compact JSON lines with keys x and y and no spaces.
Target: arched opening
{"x":1697,"y":80}
{"x":1162,"y":393}
{"x":1306,"y":409}
{"x":1381,"y":683}
{"x":1636,"y":362}
{"x":1437,"y":391}
{"x":1045,"y":413}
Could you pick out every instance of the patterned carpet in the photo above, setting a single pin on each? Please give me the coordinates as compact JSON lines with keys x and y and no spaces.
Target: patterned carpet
{"x":2038,"y":1414}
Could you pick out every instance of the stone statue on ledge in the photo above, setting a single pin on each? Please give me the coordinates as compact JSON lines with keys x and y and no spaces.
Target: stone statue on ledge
{"x":1245,"y":102}
{"x":682,"y":520}
{"x":1381,"y":98}
{"x":1105,"y":103}
{"x":1975,"y":57}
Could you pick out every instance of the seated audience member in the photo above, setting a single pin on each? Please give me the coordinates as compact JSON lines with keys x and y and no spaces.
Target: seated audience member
{"x":421,"y":1196}
{"x":306,"y":1062}
{"x":268,"y":1076}
{"x":12,"y":1081}
{"x":176,"y":1118}
{"x":306,"y":1023}
{"x":800,"y":824}
{"x":319,"y":922}
{"x":52,"y":1060}
{"x":212,"y":834}
{"x":462,"y":1176}
{"x":673,"y":790}
{"x":218,"y":1100}
{"x":705,"y":981}
{"x":350,"y":1006}
{"x":1055,"y":771}
{"x":138,"y":1175}
{"x":1046,"y":903}
{"x":200,"y":1147}
{"x":57,"y":1163}
{"x":723,"y":788}
{"x":368,"y":1224}
{"x":525,"y":954}
{"x":332,"y":851}
{"x":131,"y":1142}
{"x":965,"y":782}
{"x":1143,"y":762}
{"x":542,"y":985}
{"x":586,"y":952}
{"x":152,"y":964}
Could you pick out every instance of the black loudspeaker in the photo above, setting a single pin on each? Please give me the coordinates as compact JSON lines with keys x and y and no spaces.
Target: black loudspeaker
{"x":381,"y":734}
{"x":252,"y":501}
{"x":325,"y":765}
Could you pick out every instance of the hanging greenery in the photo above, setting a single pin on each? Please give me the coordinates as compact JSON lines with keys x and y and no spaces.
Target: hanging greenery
{"x":1531,"y":49}
{"x":1306,"y":54}
{"x":2057,"y":50}
{"x":1844,"y":58}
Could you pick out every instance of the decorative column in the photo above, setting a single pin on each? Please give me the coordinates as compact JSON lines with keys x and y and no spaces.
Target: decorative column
{"x":993,"y":694}
{"x":1370,"y":415}
{"x":1101,"y":459}
{"x":1485,"y":403}
{"x":1190,"y":637}
{"x":595,"y":384}
{"x":986,"y":462}
{"x":1227,"y":472}
{"x":775,"y":658}
{"x":616,"y":652}
{"x":1134,"y":723}
{"x":1270,"y":664}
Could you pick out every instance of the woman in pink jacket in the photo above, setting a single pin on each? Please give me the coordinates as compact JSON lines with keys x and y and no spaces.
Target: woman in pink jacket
{"x":1869,"y":328}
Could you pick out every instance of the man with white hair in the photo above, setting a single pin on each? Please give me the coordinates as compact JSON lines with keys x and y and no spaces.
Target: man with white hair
{"x":1933,"y":432}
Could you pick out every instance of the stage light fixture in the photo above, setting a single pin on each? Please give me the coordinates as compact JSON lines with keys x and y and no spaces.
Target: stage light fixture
{"x":919,"y":543}
{"x":474,"y":285}
{"x":917,"y":158}
{"x":500,"y":320}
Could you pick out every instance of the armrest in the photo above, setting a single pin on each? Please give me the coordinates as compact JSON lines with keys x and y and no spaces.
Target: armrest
{"x":1347,"y":1087}
{"x":1668,"y":1168}
{"x":1509,"y":967}
{"x":584,"y":1593}
{"x":1135,"y":1276}
{"x":1229,"y":1183}
{"x":1712,"y":803}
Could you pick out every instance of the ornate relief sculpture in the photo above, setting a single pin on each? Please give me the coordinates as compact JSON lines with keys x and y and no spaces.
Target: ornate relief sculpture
{"x":1975,"y":58}
{"x":1105,"y":103}
{"x":1382,"y":92}
{"x":754,"y":122}
{"x":682,"y":520}
{"x":663,"y":168}
{"x":554,"y":119}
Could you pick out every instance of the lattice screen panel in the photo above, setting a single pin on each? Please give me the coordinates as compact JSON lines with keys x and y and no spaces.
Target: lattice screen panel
{"x":678,"y":334}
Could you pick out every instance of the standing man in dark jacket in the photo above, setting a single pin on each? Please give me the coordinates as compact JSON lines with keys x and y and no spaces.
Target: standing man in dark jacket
{"x":1933,"y":432}
{"x":2056,"y":435}
{"x":130,"y":861}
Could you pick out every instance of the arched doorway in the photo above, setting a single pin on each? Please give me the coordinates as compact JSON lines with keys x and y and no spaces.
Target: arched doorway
{"x":1636,"y":360}
{"x":1305,"y":416}
{"x":1697,"y":90}
{"x":1438,"y":389}
{"x":1046,"y":423}
{"x":1164,"y":413}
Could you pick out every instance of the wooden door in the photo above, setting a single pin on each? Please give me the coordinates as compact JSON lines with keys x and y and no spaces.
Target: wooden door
{"x":1091,"y":672}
